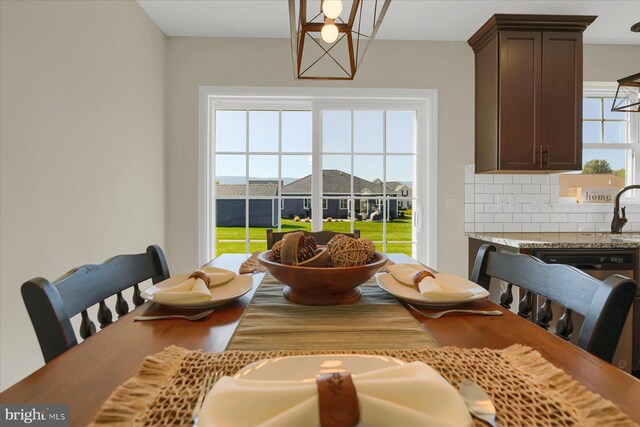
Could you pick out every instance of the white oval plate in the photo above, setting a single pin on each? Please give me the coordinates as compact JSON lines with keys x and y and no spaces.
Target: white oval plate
{"x":221,"y":294}
{"x":408,"y":293}
{"x":307,"y":368}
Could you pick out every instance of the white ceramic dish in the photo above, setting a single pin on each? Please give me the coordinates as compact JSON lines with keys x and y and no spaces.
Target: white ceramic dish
{"x":221,"y":294}
{"x":408,"y":293}
{"x":306,"y":368}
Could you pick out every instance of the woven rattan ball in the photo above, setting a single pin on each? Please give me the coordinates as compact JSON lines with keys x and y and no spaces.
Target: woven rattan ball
{"x":347,"y":252}
{"x":334,"y":240}
{"x":369,"y":247}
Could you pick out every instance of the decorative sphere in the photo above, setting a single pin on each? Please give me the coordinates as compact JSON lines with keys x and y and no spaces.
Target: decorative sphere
{"x":332,"y":8}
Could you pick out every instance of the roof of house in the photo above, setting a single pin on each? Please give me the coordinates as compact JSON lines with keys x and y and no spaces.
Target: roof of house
{"x":395,"y":185}
{"x":255,"y":189}
{"x":335,"y":182}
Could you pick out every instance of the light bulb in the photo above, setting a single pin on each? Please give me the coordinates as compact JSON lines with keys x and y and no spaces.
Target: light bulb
{"x":332,"y":8}
{"x":329,"y":33}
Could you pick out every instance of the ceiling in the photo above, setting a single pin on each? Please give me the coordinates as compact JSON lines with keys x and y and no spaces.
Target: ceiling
{"x":406,"y":19}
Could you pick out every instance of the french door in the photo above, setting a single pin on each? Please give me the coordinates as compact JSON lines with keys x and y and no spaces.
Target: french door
{"x":314,"y":165}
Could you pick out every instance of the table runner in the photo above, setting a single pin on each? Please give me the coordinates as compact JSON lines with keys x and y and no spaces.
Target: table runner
{"x":271,"y":322}
{"x":526,"y":389}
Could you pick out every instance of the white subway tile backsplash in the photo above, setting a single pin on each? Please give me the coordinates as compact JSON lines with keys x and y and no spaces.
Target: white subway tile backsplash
{"x":587,"y":226}
{"x":484,"y":198}
{"x":522,"y":179}
{"x":493,"y":188}
{"x":493,"y":227}
{"x":502,"y":217}
{"x":512,"y":227}
{"x":558,"y":217}
{"x":512,"y":188}
{"x":531,"y":203}
{"x":528,"y":207}
{"x":567,"y":227}
{"x":549,"y":227}
{"x":483,"y":179}
{"x":522,"y":198}
{"x":484,"y":217}
{"x":540,"y":179}
{"x":491,"y":207}
{"x":540,"y":217}
{"x":577,"y":217}
{"x":531,"y":188}
{"x":469,"y":227}
{"x":523,"y":217}
{"x":595,"y":217}
{"x":502,"y":179}
{"x":469,"y":211}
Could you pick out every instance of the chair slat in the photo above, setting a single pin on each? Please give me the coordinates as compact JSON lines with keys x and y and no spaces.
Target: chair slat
{"x":87,"y":327}
{"x":526,"y":305}
{"x":105,"y":317}
{"x":545,"y":314}
{"x":122,"y":307}
{"x":137,"y":299}
{"x":564,"y":327}
{"x":507,"y":297}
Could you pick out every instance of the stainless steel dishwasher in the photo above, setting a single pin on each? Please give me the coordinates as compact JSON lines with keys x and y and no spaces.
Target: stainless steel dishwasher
{"x":602,"y":263}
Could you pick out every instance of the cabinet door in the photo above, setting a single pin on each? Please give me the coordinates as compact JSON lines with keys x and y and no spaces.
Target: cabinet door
{"x":520,"y":94}
{"x":562,"y":100}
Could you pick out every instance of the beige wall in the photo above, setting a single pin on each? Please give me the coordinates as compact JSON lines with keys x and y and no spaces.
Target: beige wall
{"x":82,"y":148}
{"x":445,"y":66}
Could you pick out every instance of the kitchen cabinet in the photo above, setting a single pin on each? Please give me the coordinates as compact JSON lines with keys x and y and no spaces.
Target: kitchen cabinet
{"x":528,"y":93}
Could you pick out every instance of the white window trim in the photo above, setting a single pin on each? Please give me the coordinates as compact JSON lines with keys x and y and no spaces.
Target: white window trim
{"x":424,"y":101}
{"x":592,"y":89}
{"x":306,"y":204}
{"x":343,"y":204}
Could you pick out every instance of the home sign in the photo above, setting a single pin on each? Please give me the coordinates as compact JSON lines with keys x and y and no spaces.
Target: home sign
{"x":596,"y":194}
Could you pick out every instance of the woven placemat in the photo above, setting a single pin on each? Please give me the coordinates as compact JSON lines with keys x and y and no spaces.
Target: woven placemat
{"x":526,"y":389}
{"x":271,"y":322}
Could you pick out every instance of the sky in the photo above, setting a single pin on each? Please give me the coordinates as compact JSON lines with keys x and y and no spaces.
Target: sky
{"x":337,"y":127}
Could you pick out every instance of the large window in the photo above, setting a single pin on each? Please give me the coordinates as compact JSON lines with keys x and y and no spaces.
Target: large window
{"x":318,"y":164}
{"x":611,"y":149}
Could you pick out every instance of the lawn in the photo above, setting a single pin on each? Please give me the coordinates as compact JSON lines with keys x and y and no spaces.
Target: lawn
{"x":398,"y":230}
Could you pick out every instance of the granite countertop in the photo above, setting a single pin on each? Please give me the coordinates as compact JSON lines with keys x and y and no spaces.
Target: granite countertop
{"x":560,"y":240}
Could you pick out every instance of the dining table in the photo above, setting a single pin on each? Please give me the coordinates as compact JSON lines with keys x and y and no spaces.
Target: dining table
{"x":85,"y":376}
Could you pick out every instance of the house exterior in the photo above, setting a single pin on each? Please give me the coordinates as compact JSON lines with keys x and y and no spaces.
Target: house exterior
{"x":401,"y":191}
{"x":337,"y":183}
{"x":230,"y":211}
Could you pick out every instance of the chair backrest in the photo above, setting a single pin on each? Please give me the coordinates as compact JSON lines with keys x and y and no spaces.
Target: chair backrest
{"x":51,"y":305}
{"x":604,"y":304}
{"x":322,"y":237}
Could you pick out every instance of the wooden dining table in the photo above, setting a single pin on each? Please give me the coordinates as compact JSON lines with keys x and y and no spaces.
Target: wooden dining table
{"x":86,"y":375}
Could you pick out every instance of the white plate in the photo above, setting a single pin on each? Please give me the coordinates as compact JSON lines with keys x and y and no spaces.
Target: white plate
{"x":408,"y":293}
{"x":221,"y":294}
{"x":307,"y":368}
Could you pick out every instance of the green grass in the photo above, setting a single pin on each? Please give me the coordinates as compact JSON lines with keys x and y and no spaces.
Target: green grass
{"x":397,"y":230}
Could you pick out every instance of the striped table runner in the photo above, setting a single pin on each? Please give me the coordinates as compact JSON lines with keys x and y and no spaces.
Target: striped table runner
{"x":376,"y":321}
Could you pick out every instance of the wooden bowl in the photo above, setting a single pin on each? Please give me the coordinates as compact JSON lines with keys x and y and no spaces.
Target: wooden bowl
{"x":322,"y":286}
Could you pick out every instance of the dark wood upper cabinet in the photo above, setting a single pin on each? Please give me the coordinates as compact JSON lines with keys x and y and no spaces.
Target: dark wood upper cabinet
{"x":528,"y":87}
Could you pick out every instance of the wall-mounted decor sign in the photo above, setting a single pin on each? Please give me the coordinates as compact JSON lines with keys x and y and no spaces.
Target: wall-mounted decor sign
{"x":596,"y":194}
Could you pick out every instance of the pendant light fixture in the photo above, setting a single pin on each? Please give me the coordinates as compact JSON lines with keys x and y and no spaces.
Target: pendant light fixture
{"x":329,"y":41}
{"x":628,"y":93}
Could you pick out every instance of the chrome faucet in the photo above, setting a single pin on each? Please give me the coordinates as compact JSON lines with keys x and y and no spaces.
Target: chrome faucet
{"x":619,"y":221}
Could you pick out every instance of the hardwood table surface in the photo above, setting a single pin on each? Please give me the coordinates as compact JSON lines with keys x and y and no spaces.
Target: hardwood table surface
{"x":86,"y":375}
